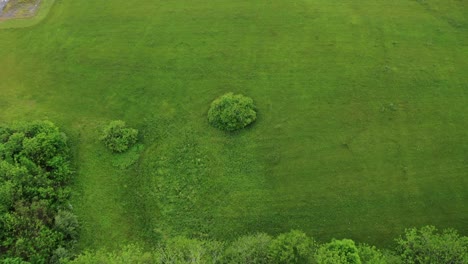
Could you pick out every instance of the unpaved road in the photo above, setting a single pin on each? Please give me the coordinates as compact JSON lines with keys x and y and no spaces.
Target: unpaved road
{"x":17,"y":9}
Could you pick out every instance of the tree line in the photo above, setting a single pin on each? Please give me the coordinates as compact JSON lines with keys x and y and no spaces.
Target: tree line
{"x":415,"y":246}
{"x":37,"y":224}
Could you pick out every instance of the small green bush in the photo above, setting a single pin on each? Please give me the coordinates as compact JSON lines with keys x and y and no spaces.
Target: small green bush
{"x":292,"y":247}
{"x":117,"y":137}
{"x":338,"y":251}
{"x":232,"y":112}
{"x":371,"y":255}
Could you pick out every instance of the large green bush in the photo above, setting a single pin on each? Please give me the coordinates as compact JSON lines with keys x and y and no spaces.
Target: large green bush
{"x":118,"y":137}
{"x":427,"y":245}
{"x":34,"y":173}
{"x":338,"y":252}
{"x":232,"y":112}
{"x":371,"y":255}
{"x":292,"y":247}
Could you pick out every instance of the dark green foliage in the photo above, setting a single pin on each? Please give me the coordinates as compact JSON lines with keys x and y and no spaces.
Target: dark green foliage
{"x":232,"y":112}
{"x":338,"y":252}
{"x":6,"y":196}
{"x":34,"y":173}
{"x":67,"y":223}
{"x":292,"y":247}
{"x":118,"y":137}
{"x":28,"y":233}
{"x":251,"y":249}
{"x":427,"y":245}
{"x":60,"y":255}
{"x":371,"y":255}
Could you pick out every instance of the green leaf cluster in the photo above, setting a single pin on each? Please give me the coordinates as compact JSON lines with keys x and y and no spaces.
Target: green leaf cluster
{"x":427,"y":245}
{"x":232,"y":112}
{"x":338,"y":251}
{"x":292,"y":247}
{"x":118,"y":137}
{"x":34,"y":173}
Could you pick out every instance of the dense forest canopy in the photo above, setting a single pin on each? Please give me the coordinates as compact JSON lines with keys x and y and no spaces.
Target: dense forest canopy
{"x":36,"y":221}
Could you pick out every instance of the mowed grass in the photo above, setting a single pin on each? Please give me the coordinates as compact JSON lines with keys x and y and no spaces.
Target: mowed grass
{"x":362,"y":128}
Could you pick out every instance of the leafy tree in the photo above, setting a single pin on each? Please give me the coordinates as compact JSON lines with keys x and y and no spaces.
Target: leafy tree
{"x":251,"y":249}
{"x":427,"y":245}
{"x":232,"y":112}
{"x":67,"y":223}
{"x":6,"y":196}
{"x":28,"y":232}
{"x":60,"y":255}
{"x":371,"y":255}
{"x":292,"y":247}
{"x":34,"y":173}
{"x":338,"y":252}
{"x":118,"y":137}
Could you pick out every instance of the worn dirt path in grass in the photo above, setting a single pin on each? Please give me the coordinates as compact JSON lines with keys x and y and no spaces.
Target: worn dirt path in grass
{"x":2,"y":5}
{"x":14,"y":9}
{"x":18,"y":15}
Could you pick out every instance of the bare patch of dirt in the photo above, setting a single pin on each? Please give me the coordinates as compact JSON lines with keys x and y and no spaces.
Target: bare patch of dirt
{"x":10,"y":9}
{"x":2,"y":4}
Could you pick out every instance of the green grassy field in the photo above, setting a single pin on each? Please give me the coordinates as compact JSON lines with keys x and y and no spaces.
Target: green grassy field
{"x":362,"y":128}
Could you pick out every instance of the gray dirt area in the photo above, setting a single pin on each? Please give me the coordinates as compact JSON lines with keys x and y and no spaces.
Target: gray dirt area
{"x":18,"y":8}
{"x":3,"y":3}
